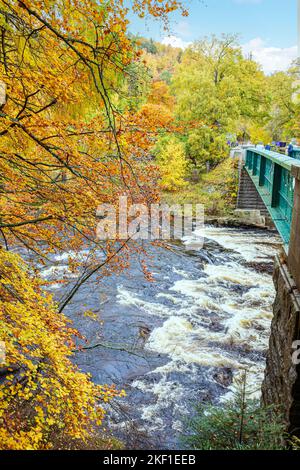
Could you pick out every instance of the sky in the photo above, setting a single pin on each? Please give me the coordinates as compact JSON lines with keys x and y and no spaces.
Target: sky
{"x":266,"y":28}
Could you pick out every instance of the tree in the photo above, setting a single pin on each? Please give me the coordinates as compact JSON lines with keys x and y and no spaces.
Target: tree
{"x":172,"y":163}
{"x":44,"y":398}
{"x":149,"y":46}
{"x":69,"y":141}
{"x":160,"y":95}
{"x":162,"y":64}
{"x":283,"y":114}
{"x":259,"y":135}
{"x":215,"y":87}
{"x":241,"y":423}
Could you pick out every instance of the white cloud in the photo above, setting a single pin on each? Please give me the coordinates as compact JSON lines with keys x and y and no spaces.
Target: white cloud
{"x":175,"y":41}
{"x":271,"y":58}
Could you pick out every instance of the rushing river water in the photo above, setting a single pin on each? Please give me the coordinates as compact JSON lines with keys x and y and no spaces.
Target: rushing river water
{"x":181,"y":339}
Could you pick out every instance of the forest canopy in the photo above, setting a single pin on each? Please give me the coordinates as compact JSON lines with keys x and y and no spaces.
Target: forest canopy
{"x":219,"y":95}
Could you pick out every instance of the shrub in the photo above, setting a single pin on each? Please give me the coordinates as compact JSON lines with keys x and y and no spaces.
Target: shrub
{"x":240,"y":424}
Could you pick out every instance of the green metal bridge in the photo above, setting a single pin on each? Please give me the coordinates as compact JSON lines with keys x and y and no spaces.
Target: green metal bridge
{"x":270,"y":183}
{"x":273,"y":176}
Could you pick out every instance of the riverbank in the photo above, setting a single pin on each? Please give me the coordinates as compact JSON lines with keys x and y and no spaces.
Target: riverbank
{"x":216,"y":190}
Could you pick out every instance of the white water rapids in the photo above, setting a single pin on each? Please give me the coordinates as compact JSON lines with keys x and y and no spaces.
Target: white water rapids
{"x":207,"y":317}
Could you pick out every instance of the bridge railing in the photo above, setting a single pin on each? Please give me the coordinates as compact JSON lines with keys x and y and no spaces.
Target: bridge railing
{"x":271,"y":173}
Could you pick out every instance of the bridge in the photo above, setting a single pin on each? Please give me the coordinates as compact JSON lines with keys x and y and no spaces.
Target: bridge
{"x":273,"y":177}
{"x":270,"y":182}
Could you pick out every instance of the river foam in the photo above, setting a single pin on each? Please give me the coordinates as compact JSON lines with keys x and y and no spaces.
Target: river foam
{"x":192,"y":333}
{"x":219,"y":320}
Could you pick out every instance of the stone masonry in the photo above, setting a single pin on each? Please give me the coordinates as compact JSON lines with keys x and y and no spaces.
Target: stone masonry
{"x":281,"y":385}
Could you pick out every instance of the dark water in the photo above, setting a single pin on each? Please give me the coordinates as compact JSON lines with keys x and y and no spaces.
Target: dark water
{"x":184,"y":338}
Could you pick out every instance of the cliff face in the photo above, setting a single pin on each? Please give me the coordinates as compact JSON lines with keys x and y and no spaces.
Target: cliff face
{"x":281,"y":385}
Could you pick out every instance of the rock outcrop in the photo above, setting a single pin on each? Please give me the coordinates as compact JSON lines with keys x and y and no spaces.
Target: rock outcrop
{"x":281,"y":385}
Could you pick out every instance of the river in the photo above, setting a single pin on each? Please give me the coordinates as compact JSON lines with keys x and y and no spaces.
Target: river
{"x":182,"y":339}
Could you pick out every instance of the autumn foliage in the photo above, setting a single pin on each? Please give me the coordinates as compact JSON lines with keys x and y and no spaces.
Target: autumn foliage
{"x":69,"y":141}
{"x":44,"y":394}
